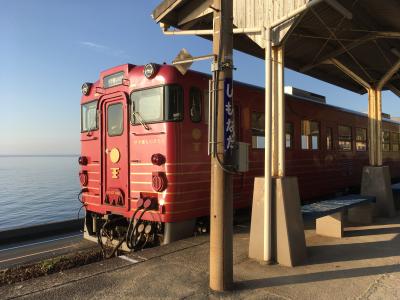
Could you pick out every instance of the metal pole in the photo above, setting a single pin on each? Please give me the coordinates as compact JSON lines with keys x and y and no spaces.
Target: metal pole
{"x":281,"y":112}
{"x":278,"y":113}
{"x":221,"y":217}
{"x":274,"y":115}
{"x":378,"y":110}
{"x":268,"y":145}
{"x":371,"y":123}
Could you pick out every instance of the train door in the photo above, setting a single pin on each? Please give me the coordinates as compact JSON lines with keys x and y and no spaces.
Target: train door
{"x":115,"y":152}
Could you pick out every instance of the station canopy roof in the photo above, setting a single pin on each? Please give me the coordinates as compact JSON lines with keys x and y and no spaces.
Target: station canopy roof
{"x":363,"y":35}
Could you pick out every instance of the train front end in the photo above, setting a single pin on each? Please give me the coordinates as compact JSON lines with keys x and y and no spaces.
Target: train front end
{"x":130,"y":119}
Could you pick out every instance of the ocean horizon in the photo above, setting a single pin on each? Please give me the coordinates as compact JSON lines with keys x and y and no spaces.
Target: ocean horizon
{"x":38,"y":189}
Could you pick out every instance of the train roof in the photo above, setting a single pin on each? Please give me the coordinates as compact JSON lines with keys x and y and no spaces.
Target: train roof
{"x":261,"y":89}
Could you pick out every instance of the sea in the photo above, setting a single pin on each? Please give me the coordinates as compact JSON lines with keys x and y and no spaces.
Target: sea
{"x":38,"y":190}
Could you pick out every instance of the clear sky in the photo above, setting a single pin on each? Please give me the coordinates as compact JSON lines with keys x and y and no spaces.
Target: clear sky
{"x":48,"y":48}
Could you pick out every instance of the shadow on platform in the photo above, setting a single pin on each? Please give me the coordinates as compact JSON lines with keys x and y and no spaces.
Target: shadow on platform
{"x":314,"y":277}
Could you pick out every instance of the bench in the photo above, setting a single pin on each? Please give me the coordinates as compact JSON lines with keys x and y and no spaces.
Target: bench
{"x":329,"y":213}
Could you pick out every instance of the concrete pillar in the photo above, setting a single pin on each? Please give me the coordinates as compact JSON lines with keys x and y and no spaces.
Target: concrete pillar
{"x":376,"y":182}
{"x":288,"y":246}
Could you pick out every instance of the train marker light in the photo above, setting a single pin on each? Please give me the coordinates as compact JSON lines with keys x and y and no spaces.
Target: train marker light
{"x":83,"y":177}
{"x":159,"y":181}
{"x":86,"y":87}
{"x":150,"y":70}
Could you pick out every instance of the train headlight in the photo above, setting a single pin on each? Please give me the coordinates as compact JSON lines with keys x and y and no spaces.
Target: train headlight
{"x":83,"y":161}
{"x":150,"y":70}
{"x":158,"y":159}
{"x":86,"y":87}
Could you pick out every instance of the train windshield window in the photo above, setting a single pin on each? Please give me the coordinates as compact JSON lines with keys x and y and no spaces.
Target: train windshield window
{"x":395,"y":141}
{"x":115,"y":119}
{"x":89,"y":116}
{"x":257,"y":130}
{"x":289,"y":135}
{"x":148,"y":104}
{"x":329,"y":137}
{"x":173,"y":103}
{"x":195,"y":105}
{"x":345,"y":138}
{"x":361,"y":139}
{"x":309,"y":135}
{"x":386,"y":141}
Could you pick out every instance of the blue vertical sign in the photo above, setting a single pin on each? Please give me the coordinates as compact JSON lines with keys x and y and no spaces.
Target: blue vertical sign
{"x":229,"y":125}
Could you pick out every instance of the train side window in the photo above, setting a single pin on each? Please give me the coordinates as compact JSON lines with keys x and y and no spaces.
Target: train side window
{"x":361,"y":139}
{"x":289,"y":135}
{"x":329,"y":138}
{"x":89,"y":116}
{"x":386,"y":141}
{"x":309,"y":135}
{"x":195,"y":104}
{"x":173,"y":103}
{"x":395,"y":141}
{"x":205,"y":105}
{"x":257,"y":130}
{"x":115,"y":119}
{"x":345,"y":138}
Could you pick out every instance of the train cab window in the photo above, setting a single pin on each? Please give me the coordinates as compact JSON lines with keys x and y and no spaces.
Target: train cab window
{"x":173,"y":103}
{"x":147,"y":105}
{"x":115,"y":119}
{"x":395,"y":140}
{"x":329,"y":138}
{"x":289,"y":135}
{"x":309,"y":135}
{"x":257,"y":130}
{"x":157,"y":104}
{"x":89,"y":116}
{"x":386,"y":141}
{"x":361,"y":139}
{"x":345,"y":138}
{"x":195,"y":104}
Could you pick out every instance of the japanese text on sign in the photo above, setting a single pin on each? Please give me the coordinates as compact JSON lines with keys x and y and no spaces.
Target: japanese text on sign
{"x":229,"y":123}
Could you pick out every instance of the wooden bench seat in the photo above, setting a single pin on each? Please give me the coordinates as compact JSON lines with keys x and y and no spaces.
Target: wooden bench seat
{"x":396,"y":187}
{"x":329,"y":213}
{"x":396,"y":195}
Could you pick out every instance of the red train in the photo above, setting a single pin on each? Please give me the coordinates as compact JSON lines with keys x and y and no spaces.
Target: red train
{"x":145,"y":172}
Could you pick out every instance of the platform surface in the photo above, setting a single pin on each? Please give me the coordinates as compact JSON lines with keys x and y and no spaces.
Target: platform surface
{"x":331,"y":206}
{"x":365,"y":264}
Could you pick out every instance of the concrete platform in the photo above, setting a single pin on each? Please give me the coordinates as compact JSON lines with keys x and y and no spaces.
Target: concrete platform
{"x":364,"y":264}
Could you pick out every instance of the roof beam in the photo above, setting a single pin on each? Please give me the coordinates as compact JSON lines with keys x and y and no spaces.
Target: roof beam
{"x":338,"y":52}
{"x":389,"y":74}
{"x":171,"y":7}
{"x":350,"y":73}
{"x":340,"y":8}
{"x":194,"y":11}
{"x":394,"y":89}
{"x":295,"y":13}
{"x":342,"y":45}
